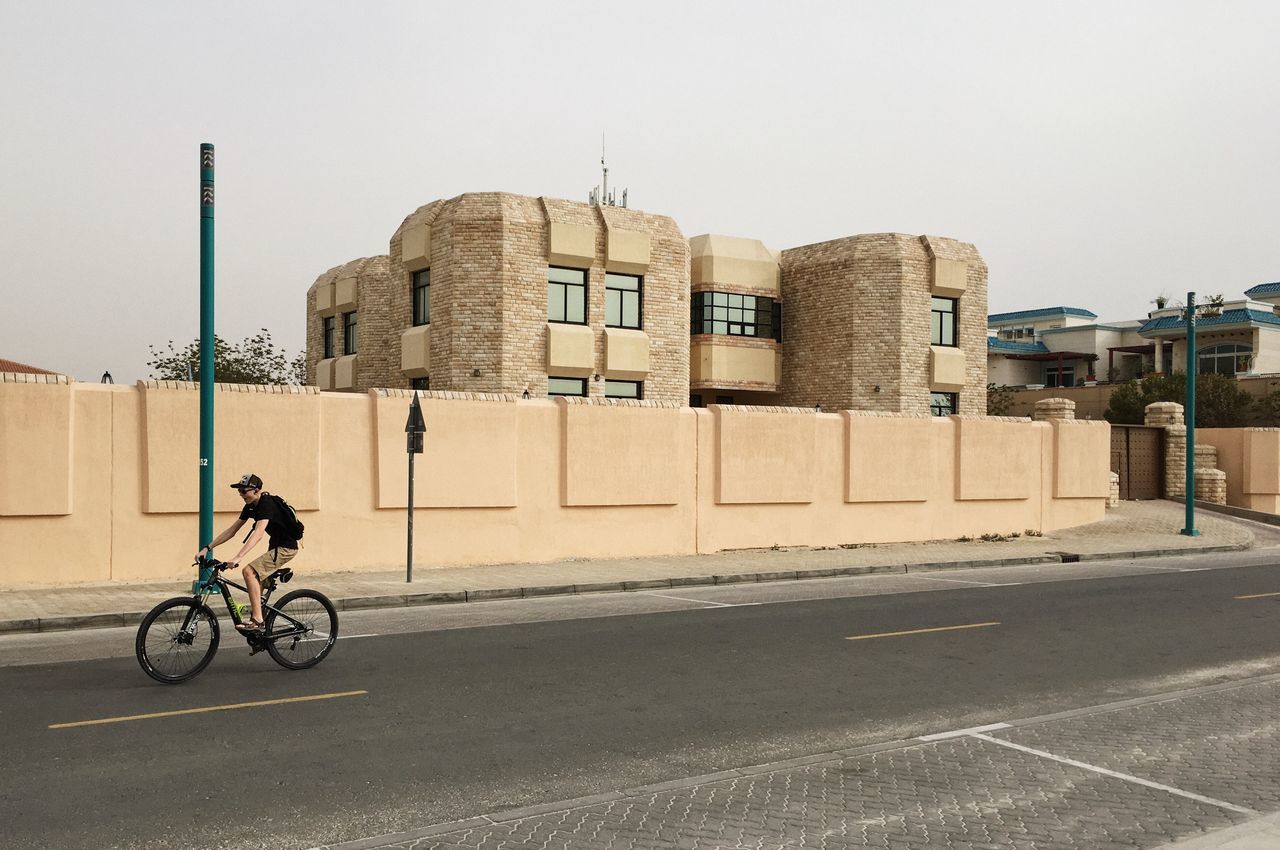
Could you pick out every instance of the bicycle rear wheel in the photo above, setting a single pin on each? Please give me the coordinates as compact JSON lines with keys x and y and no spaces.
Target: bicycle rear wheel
{"x":176,"y":640}
{"x":310,"y":611}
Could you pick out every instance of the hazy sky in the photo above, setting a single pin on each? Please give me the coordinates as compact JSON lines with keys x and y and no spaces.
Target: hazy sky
{"x":1096,"y":153}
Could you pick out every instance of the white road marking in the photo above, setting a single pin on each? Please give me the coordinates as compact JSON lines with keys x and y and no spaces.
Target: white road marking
{"x":963,"y":581}
{"x":1117,"y":775}
{"x":706,"y":602}
{"x":942,"y":736}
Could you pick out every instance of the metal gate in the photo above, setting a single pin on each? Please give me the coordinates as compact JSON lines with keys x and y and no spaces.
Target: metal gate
{"x":1137,"y":456}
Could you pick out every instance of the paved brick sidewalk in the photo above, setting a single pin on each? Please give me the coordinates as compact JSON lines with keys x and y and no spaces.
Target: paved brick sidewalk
{"x":1134,"y":527}
{"x":1136,"y":774}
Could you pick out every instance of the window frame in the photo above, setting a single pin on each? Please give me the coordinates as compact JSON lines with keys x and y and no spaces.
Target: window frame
{"x":938,"y":324}
{"x":622,"y":293}
{"x":639,"y":385}
{"x":327,"y":325}
{"x":586,"y":301}
{"x":416,"y":310}
{"x":350,"y":340}
{"x":1218,"y":352}
{"x":424,"y":381}
{"x":706,"y":313}
{"x":1056,"y":373}
{"x":952,"y":402}
{"x":553,"y":393}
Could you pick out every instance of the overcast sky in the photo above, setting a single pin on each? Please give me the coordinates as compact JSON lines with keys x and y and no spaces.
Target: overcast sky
{"x":1097,"y":154}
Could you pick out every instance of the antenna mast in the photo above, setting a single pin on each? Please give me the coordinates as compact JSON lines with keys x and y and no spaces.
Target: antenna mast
{"x":600,"y":196}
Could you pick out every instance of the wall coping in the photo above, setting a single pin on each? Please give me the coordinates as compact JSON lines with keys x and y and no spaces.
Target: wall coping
{"x":34,"y":378}
{"x":453,"y":395}
{"x":973,"y":417}
{"x":887,"y":414}
{"x":271,"y":389}
{"x":578,"y":401}
{"x":756,"y":408}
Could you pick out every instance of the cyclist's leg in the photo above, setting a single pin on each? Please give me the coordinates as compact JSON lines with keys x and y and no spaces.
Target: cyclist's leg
{"x":254,"y":572}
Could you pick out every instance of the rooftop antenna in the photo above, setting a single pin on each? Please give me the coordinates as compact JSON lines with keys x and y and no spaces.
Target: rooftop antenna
{"x":600,"y":196}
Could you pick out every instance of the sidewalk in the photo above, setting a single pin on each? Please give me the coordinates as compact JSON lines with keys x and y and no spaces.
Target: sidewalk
{"x":1133,"y":529}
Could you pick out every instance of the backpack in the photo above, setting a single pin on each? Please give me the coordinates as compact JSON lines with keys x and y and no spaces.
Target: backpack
{"x":292,"y":525}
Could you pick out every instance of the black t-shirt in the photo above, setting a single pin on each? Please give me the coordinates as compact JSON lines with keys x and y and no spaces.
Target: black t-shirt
{"x":265,"y":508}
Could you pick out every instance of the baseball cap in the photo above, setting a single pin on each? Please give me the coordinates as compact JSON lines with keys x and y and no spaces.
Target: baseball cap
{"x":248,"y":482}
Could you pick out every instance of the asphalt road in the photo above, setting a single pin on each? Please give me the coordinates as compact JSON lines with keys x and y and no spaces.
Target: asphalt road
{"x":489,"y":706}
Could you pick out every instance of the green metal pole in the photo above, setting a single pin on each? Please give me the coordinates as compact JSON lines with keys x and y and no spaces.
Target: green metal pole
{"x":206,"y":344}
{"x":1189,"y":414}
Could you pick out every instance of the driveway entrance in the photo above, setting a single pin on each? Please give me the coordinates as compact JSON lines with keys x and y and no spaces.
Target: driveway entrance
{"x":1137,"y":456}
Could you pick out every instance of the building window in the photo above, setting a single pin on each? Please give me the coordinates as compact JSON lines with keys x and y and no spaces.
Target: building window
{"x":326,"y":331}
{"x":622,"y":300}
{"x":695,"y":400}
{"x":736,"y":315}
{"x":1228,"y":358}
{"x":420,"y":383}
{"x":1064,"y":377}
{"x":624,"y":389}
{"x":567,"y":386}
{"x":422,"y":297}
{"x":944,"y":404}
{"x":943,"y":329}
{"x":724,"y":399}
{"x":349,"y":333}
{"x":566,"y":295}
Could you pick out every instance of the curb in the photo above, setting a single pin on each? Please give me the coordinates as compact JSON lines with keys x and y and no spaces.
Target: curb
{"x":360,"y":603}
{"x":378,"y":841}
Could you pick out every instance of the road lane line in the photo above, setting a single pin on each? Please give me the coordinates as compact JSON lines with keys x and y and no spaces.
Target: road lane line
{"x":923,"y":631}
{"x":942,"y":736}
{"x":205,"y":709}
{"x":1116,"y":775}
{"x":1257,"y":595}
{"x":706,"y":602}
{"x":956,"y":580}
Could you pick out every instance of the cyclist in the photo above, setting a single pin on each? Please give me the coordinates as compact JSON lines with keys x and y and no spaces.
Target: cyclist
{"x":267,"y":519}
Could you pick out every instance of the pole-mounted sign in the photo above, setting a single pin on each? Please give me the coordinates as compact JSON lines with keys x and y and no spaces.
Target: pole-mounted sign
{"x":413,"y":429}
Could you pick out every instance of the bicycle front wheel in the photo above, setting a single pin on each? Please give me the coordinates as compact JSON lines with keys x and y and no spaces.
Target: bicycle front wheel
{"x":307,"y":627}
{"x":176,"y":640}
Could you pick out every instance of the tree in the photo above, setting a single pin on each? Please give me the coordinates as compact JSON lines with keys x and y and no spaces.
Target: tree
{"x":1220,"y":403}
{"x":254,"y":360}
{"x":999,"y":400}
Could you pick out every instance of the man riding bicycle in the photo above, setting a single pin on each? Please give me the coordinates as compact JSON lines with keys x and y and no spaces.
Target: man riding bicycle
{"x":268,"y":519}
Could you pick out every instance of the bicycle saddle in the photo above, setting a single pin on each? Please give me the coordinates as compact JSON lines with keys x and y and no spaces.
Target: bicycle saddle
{"x":283,"y":575}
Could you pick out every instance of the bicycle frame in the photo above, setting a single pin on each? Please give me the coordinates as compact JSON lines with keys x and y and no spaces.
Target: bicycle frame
{"x":218,"y":583}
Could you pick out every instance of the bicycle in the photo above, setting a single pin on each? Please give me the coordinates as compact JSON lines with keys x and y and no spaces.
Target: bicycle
{"x":178,"y":638}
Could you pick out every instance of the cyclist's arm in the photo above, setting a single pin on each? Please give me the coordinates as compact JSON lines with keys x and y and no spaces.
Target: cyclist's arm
{"x":259,"y":529}
{"x":223,"y":537}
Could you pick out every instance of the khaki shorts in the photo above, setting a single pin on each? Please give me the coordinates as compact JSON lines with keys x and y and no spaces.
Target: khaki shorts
{"x":270,"y":561}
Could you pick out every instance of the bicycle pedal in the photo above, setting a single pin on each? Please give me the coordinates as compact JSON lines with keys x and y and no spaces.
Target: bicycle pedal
{"x":255,"y":648}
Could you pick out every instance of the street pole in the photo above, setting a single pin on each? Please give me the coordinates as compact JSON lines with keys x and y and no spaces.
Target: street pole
{"x":206,"y":344}
{"x":413,"y":428}
{"x":1189,"y":415}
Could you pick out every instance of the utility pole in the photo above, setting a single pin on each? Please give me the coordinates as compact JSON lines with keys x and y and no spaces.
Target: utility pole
{"x":1189,"y":416}
{"x":413,"y":428}
{"x":206,"y":344}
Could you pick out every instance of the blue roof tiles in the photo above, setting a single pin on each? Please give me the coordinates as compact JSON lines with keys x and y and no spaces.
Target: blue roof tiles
{"x":1041,"y":313}
{"x":994,"y":344}
{"x":1263,"y":289}
{"x":1228,"y":317}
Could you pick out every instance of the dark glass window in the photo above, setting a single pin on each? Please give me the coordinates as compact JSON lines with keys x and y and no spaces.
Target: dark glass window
{"x":326,"y":330}
{"x":420,"y":383}
{"x":1064,"y":377}
{"x":566,"y":295}
{"x":944,"y":404}
{"x":736,"y":315}
{"x":724,"y":399}
{"x":622,"y":300}
{"x":695,"y":399}
{"x":422,"y":297}
{"x":624,"y":389}
{"x":943,"y":331}
{"x":1227,"y":358}
{"x":349,"y":333}
{"x":567,"y":386}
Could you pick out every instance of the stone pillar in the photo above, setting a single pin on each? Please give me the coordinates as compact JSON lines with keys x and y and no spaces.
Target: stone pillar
{"x":1169,"y":414}
{"x":1054,"y":408}
{"x":1206,"y":457}
{"x":1211,"y":484}
{"x":1113,"y":496}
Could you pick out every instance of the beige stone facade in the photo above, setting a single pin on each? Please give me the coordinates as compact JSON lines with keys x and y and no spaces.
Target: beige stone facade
{"x":487,"y":257}
{"x":856,"y":326}
{"x":844,"y":324}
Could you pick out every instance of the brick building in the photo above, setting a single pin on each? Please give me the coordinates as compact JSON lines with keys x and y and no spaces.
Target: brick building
{"x":494,"y":292}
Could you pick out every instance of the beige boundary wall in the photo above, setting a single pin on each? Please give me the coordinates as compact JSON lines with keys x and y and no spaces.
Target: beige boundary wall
{"x":99,"y":482}
{"x":1251,"y":459}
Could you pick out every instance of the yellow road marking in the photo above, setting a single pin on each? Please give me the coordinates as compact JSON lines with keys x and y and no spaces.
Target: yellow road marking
{"x":1258,"y":595}
{"x":922,"y":631}
{"x":205,"y":709}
